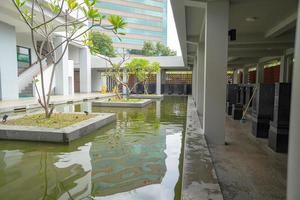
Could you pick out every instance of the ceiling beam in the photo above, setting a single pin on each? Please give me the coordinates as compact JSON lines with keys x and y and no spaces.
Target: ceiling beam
{"x":283,"y":26}
{"x":269,"y":45}
{"x":254,"y":53}
{"x":195,"y":4}
{"x":243,"y":61}
{"x":192,"y":43}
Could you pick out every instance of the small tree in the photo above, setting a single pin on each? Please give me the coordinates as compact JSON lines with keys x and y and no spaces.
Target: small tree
{"x":116,"y":72}
{"x":44,"y":28}
{"x":143,"y":70}
{"x":102,"y":44}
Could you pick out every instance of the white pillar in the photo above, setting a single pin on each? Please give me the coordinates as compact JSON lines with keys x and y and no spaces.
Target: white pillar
{"x":158,"y":83}
{"x":200,"y":66}
{"x":289,"y":64}
{"x":293,"y":181}
{"x":260,"y":73}
{"x":245,"y":75}
{"x":195,"y":81}
{"x":283,"y":69}
{"x":62,"y":71}
{"x":85,"y":70}
{"x":125,"y":80}
{"x":96,"y":80}
{"x":9,"y":88}
{"x":216,"y":54}
{"x":235,"y":77}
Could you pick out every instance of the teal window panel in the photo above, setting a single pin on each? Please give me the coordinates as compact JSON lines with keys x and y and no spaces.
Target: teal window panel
{"x":143,"y":32}
{"x":113,"y":6}
{"x":149,"y":2}
{"x":139,"y":31}
{"x":128,"y":41}
{"x":140,"y":21}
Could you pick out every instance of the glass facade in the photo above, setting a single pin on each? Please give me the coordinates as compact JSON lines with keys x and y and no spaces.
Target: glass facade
{"x":149,"y":13}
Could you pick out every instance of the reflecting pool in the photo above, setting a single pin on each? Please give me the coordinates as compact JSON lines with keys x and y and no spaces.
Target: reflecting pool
{"x":139,"y":157}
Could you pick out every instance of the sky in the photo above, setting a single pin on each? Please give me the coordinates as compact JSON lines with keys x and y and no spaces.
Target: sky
{"x":173,"y":41}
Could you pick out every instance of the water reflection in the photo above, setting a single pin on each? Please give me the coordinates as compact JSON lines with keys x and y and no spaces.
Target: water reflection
{"x":135,"y":158}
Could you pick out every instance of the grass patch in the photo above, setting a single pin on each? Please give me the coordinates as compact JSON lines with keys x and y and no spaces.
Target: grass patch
{"x":116,"y":100}
{"x":57,"y":120}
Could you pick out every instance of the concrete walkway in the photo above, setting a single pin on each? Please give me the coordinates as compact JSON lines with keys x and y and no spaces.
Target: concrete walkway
{"x":29,"y":103}
{"x":247,"y":168}
{"x":199,"y":178}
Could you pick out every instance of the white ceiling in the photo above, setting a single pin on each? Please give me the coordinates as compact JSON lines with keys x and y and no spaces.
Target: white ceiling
{"x":271,"y":34}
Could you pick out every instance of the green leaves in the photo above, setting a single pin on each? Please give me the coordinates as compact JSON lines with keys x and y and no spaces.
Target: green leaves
{"x":103,"y":44}
{"x":20,"y":3}
{"x":90,"y":3}
{"x":54,"y":6}
{"x":93,"y":13}
{"x":72,"y":4}
{"x":117,"y":22}
{"x":157,"y":49}
{"x":142,"y":68}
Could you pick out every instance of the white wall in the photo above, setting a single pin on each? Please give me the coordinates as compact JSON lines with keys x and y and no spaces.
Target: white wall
{"x":165,"y":61}
{"x":74,"y":55}
{"x":47,"y":76}
{"x":8,"y":63}
{"x":23,"y":39}
{"x":96,"y":80}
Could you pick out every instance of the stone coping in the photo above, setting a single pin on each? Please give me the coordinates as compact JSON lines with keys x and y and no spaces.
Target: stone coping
{"x":143,"y":103}
{"x":61,"y":135}
{"x":145,"y":96}
{"x":199,"y":177}
{"x":33,"y":104}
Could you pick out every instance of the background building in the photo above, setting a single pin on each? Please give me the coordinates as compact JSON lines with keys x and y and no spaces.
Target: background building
{"x":147,"y":21}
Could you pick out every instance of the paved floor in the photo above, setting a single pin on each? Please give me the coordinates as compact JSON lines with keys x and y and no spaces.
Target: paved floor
{"x":8,"y":106}
{"x":199,"y":176}
{"x":247,"y":169}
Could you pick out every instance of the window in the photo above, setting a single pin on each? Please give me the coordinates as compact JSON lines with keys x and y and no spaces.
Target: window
{"x":23,"y":58}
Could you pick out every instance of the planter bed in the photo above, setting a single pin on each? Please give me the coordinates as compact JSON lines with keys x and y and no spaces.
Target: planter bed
{"x":145,"y":96}
{"x":59,"y":135}
{"x":128,"y":104}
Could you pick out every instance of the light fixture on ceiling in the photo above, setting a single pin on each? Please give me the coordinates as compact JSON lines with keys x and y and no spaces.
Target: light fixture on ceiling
{"x":251,"y":19}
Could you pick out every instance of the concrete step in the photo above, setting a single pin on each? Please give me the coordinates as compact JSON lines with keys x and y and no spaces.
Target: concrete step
{"x":27,"y":91}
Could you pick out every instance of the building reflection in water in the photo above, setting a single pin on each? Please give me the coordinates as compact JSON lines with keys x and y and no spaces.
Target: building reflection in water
{"x":136,"y":158}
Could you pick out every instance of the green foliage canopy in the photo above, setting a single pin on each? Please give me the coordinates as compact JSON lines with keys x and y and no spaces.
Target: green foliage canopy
{"x":142,"y":68}
{"x":102,"y":44}
{"x":156,"y":49}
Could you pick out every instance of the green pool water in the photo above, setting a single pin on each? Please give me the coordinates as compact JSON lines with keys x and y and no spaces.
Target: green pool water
{"x":139,"y":157}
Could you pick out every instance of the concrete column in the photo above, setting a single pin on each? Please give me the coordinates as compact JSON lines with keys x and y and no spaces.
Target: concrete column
{"x":293,"y":181}
{"x":96,"y":80}
{"x":9,"y":88}
{"x":260,"y":73}
{"x":158,"y":83}
{"x":283,"y":70}
{"x":62,"y":71}
{"x":200,"y":66}
{"x":235,"y":77}
{"x":194,"y":81}
{"x":216,"y":54}
{"x":85,"y":70}
{"x":245,"y":75}
{"x":290,"y":66}
{"x":125,"y":80}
